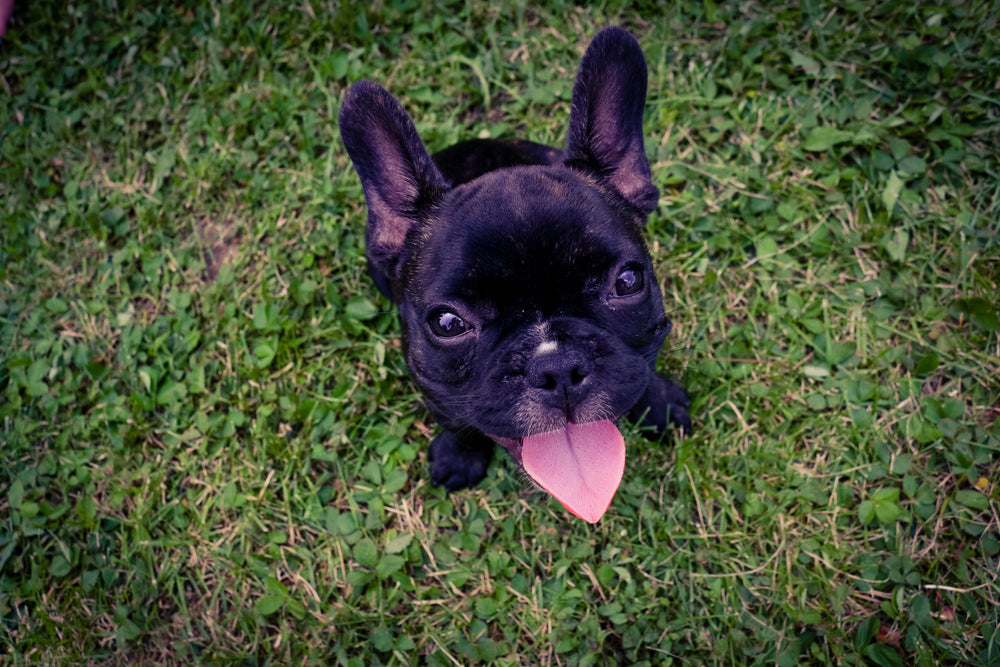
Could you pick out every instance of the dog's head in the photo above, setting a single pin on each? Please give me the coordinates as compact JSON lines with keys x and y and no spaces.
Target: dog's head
{"x":529,"y":303}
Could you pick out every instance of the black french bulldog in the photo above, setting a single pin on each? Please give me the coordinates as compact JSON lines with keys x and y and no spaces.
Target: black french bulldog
{"x":530,"y":310}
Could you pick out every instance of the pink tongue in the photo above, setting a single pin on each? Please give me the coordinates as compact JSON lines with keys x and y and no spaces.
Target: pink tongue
{"x":581,"y":465}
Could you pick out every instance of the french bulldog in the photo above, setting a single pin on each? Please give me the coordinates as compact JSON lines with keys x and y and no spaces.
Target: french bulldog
{"x":531,"y":315}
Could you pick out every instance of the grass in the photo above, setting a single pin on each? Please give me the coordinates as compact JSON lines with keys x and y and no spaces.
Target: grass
{"x":211,"y":452}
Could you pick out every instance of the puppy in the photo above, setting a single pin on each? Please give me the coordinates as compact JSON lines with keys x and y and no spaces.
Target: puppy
{"x":531,"y":316}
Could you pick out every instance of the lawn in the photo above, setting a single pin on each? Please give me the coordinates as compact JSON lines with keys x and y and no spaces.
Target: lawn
{"x":210,"y":450}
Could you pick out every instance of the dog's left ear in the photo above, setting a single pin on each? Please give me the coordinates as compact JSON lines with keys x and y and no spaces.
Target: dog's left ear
{"x":399,"y":178}
{"x":605,"y":124}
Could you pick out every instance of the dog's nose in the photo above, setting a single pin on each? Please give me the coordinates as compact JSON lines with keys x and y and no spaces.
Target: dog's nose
{"x":560,"y":373}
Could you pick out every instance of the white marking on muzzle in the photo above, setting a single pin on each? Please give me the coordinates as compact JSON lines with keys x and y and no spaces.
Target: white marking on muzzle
{"x":546,"y":347}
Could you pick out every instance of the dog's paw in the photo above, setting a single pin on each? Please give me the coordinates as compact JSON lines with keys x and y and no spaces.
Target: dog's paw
{"x":663,"y":405}
{"x":459,"y":463}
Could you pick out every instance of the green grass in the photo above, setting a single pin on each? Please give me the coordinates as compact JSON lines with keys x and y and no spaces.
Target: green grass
{"x":211,"y":452}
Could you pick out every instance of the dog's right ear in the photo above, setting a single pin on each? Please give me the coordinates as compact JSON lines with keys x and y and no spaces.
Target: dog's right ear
{"x":605,"y":123}
{"x":399,"y":178}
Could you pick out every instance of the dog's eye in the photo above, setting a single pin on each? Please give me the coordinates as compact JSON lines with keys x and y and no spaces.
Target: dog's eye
{"x":446,"y":324}
{"x":629,"y":281}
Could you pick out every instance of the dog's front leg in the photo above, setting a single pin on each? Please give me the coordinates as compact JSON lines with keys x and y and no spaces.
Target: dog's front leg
{"x":663,"y":405}
{"x":457,"y":461}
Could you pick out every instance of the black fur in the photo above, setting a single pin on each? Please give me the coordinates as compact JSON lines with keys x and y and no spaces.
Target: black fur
{"x":498,"y":253}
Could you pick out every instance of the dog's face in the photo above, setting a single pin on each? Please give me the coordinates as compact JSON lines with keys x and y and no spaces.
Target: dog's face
{"x":530,"y":309}
{"x":531,"y":304}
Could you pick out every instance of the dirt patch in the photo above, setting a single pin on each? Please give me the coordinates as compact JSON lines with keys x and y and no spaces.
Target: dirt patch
{"x":221,"y":239}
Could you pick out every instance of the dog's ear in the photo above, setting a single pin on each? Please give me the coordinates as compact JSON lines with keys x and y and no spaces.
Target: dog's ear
{"x":400,"y":181}
{"x":605,"y":125}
